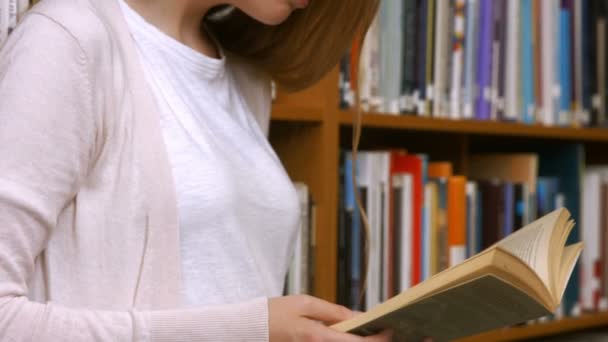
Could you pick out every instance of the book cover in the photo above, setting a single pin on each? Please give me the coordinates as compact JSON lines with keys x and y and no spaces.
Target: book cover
{"x":403,"y":197}
{"x":470,"y":46}
{"x":421,"y":59}
{"x":566,"y":163}
{"x":493,"y":210}
{"x":441,"y":54}
{"x":430,"y":58}
{"x":457,"y":233}
{"x":565,"y":99}
{"x":509,"y":213}
{"x":411,"y":164}
{"x":473,"y":236}
{"x":484,"y":69}
{"x":527,"y":63}
{"x":409,"y":46}
{"x":497,"y":36}
{"x":458,"y":42}
{"x":391,"y":55}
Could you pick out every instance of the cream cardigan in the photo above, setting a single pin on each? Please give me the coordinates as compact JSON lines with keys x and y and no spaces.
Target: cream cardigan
{"x":89,"y":239}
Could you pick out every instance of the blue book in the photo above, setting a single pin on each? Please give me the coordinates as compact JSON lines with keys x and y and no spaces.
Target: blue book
{"x":527,"y":60}
{"x":484,"y":65}
{"x":566,"y":164}
{"x":565,"y":65}
{"x":350,"y":205}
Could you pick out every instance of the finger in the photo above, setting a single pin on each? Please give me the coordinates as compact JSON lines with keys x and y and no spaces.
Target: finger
{"x":330,"y":335}
{"x":320,"y":310}
{"x":386,"y":336}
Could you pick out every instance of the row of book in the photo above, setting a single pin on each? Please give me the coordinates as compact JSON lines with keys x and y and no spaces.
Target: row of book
{"x":11,"y":12}
{"x":424,"y":218}
{"x":530,"y":61}
{"x":300,"y":277}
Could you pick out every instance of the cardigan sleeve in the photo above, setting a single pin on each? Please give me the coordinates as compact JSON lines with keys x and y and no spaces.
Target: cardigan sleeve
{"x":49,"y":139}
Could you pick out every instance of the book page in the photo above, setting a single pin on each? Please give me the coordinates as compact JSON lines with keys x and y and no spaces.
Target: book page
{"x":482,"y":304}
{"x":531,"y":245}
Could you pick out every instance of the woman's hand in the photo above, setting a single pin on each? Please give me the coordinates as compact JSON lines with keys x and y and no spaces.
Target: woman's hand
{"x":301,"y":318}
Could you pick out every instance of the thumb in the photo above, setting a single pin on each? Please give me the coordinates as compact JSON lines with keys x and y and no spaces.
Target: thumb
{"x":320,"y":310}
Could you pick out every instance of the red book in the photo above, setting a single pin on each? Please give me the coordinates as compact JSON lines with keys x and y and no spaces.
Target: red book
{"x":401,"y":162}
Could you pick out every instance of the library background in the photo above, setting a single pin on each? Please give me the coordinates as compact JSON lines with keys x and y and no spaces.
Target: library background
{"x":479,"y":116}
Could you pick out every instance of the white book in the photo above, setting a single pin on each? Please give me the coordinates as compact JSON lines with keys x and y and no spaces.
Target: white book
{"x":404,"y":230}
{"x":469,"y":85}
{"x":383,"y":174}
{"x":22,"y":7}
{"x":590,"y":235}
{"x":12,"y":15}
{"x":441,"y":53}
{"x":369,"y":178}
{"x":472,"y":238}
{"x":550,"y":66}
{"x":365,"y":67}
{"x":4,"y":20}
{"x":512,"y":72}
{"x":457,"y":65}
{"x":298,"y":271}
{"x":548,"y":107}
{"x":428,"y":217}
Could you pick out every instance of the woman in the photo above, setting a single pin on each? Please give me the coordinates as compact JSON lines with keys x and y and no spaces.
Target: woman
{"x":139,"y":198}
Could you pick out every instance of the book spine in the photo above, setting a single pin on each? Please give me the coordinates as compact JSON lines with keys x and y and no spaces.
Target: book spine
{"x":497,"y":28}
{"x":578,"y":49}
{"x":458,"y":41}
{"x":601,"y":72}
{"x":471,"y":41}
{"x":484,"y":70}
{"x":456,"y":220}
{"x":421,"y":56}
{"x":527,"y":70}
{"x":4,"y":21}
{"x":502,"y":62}
{"x":430,"y":59}
{"x":564,"y":118}
{"x":548,"y":44}
{"x":408,"y":86}
{"x":441,"y":47}
{"x":512,"y":65}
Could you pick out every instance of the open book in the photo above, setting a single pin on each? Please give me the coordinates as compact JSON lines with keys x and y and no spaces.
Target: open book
{"x":519,"y":278}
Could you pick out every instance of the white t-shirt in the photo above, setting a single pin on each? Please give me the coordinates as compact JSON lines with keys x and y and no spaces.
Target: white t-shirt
{"x":238,"y":210}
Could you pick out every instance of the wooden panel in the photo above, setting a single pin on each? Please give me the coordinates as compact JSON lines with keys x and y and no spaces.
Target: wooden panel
{"x":543,"y":329}
{"x":297,"y":114}
{"x":477,"y":127}
{"x":304,"y":133}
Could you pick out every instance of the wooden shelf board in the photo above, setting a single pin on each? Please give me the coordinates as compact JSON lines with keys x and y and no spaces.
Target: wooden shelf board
{"x":488,"y":128}
{"x":549,"y":328}
{"x":296,"y":114}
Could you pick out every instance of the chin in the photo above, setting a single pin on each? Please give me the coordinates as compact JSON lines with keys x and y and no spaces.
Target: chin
{"x":269,"y":12}
{"x":276,"y":16}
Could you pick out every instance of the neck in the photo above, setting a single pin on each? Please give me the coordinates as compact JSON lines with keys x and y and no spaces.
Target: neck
{"x":181,"y":20}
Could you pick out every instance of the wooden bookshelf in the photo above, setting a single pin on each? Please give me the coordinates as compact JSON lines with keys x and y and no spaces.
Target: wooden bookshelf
{"x":308,"y":131}
{"x":499,"y":129}
{"x":550,"y":328}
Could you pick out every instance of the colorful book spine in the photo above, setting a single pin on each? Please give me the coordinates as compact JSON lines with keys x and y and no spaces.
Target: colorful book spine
{"x":471,"y":41}
{"x":484,"y":71}
{"x":527,"y":62}
{"x":457,"y":233}
{"x":565,"y":72}
{"x":458,"y":42}
{"x":513,"y":64}
{"x":421,"y":56}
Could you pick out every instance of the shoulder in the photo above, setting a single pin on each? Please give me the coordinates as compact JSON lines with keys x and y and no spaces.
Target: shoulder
{"x":70,"y":22}
{"x":255,"y":88}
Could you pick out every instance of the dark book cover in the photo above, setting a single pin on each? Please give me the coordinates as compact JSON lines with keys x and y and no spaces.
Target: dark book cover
{"x":503,"y":29}
{"x":492,"y":211}
{"x":519,"y":199}
{"x":408,"y":80}
{"x":566,"y":162}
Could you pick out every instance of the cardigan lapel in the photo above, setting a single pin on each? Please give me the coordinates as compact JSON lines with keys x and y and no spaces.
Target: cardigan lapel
{"x":160,"y":273}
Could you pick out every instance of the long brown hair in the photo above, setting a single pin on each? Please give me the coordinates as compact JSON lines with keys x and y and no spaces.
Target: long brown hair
{"x":300,"y":51}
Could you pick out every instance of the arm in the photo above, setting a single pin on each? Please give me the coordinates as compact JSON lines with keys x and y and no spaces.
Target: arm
{"x":50,"y":136}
